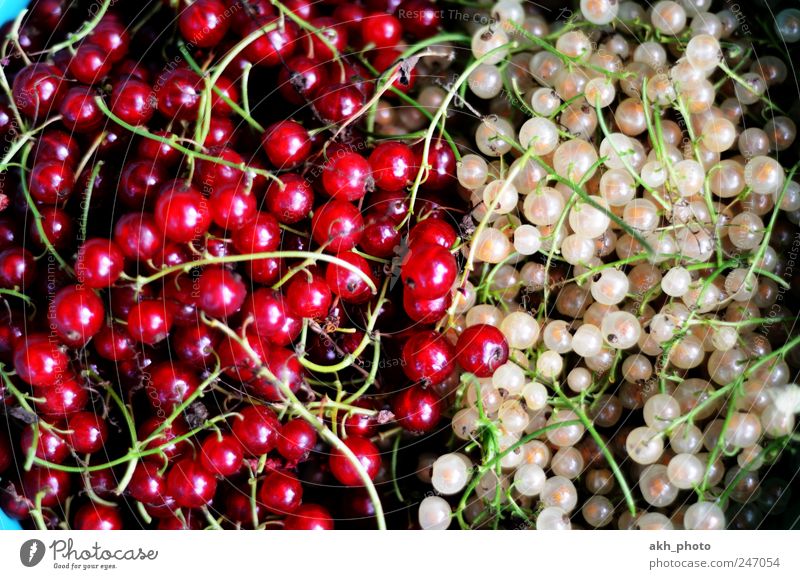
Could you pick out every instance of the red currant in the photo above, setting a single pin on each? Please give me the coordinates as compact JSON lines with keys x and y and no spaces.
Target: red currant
{"x":281,"y":493}
{"x":337,"y":225}
{"x":190,"y":484}
{"x":221,"y":454}
{"x":481,"y":349}
{"x":365,"y":452}
{"x":77,"y":314}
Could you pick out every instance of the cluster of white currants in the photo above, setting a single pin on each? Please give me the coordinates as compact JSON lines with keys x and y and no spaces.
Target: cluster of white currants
{"x":623,"y":248}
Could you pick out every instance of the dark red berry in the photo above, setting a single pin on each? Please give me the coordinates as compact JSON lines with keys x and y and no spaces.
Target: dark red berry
{"x":49,"y":446}
{"x":149,"y":321}
{"x":87,"y":432}
{"x":426,"y":311}
{"x":309,"y":517}
{"x":89,"y":64}
{"x":204,"y":22}
{"x":17,"y":268}
{"x":221,"y":291}
{"x":308,"y":296}
{"x":429,"y":357}
{"x":281,"y":493}
{"x":339,"y":102}
{"x":428,"y":271}
{"x":179,"y":95}
{"x":77,"y":315}
{"x":481,"y":349}
{"x":169,"y":384}
{"x":417,"y":409}
{"x":182,"y":213}
{"x":380,"y":30}
{"x":297,"y":440}
{"x":53,"y":485}
{"x":287,"y":144}
{"x":232,"y":206}
{"x":337,"y":225}
{"x":347,"y":176}
{"x":51,"y":182}
{"x":365,"y":452}
{"x":147,"y":485}
{"x":191,"y":485}
{"x":38,"y":89}
{"x":133,"y":101}
{"x":272,"y":319}
{"x":40,"y":361}
{"x":221,"y":454}
{"x":292,"y":202}
{"x":393,"y":165}
{"x":97,"y":517}
{"x":258,"y":429}
{"x":301,"y":78}
{"x":432,"y":231}
{"x":347,"y":283}
{"x":99,"y":263}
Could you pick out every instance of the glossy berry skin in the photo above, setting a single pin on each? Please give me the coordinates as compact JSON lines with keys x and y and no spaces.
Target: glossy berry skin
{"x":428,"y":357}
{"x":261,"y":234}
{"x":432,"y":231}
{"x":380,"y":238}
{"x":362,"y":425}
{"x":297,"y":440}
{"x":51,"y":182}
{"x":428,"y":271}
{"x":309,"y":517}
{"x":338,"y":103}
{"x":89,"y":64}
{"x":204,"y":23}
{"x":308,"y":298}
{"x":58,"y":229}
{"x":347,"y":176}
{"x":301,"y":78}
{"x":99,"y":263}
{"x":147,"y":485}
{"x":281,"y":493}
{"x":287,"y":144}
{"x":294,"y":202}
{"x":190,"y":484}
{"x":417,"y":409}
{"x":111,"y":35}
{"x":381,"y":30}
{"x":17,"y":268}
{"x":221,"y":455}
{"x":196,"y":345}
{"x":272,"y":47}
{"x":182,"y":214}
{"x":133,"y":102}
{"x":347,"y":284}
{"x":258,"y":429}
{"x":284,"y":365}
{"x":114,"y":343}
{"x":426,"y":311}
{"x":232,"y":206}
{"x":337,"y":225}
{"x":40,"y":362}
{"x":88,"y":432}
{"x":442,"y":161}
{"x":393,"y":165}
{"x":79,"y":111}
{"x":149,"y":321}
{"x":166,"y":155}
{"x":96,"y":517}
{"x":366,"y":453}
{"x":38,"y":89}
{"x":272,"y":319}
{"x":139,"y":184}
{"x":64,"y":400}
{"x":425,"y":18}
{"x":54,"y":484}
{"x":165,"y":439}
{"x":332,"y":31}
{"x":481,"y":349}
{"x":49,"y":446}
{"x":170,"y":384}
{"x":222,"y":292}
{"x":138,"y":237}
{"x":55,"y":145}
{"x":78,"y":314}
{"x":179,"y":97}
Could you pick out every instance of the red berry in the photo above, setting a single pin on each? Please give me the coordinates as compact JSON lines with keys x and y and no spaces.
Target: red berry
{"x":111,"y":35}
{"x":38,"y":89}
{"x":365,"y":452}
{"x":232,"y":206}
{"x":281,"y":493}
{"x":297,"y":440}
{"x":139,"y":183}
{"x":345,"y":282}
{"x":77,"y":314}
{"x":56,"y":145}
{"x":428,"y":271}
{"x":337,"y":225}
{"x":147,"y":485}
{"x":393,"y":165}
{"x":49,"y":446}
{"x":87,"y":432}
{"x":182,"y":214}
{"x":54,"y":486}
{"x":166,"y":155}
{"x":429,"y":357}
{"x":164,"y":439}
{"x":380,"y":238}
{"x":79,"y":111}
{"x":179,"y":95}
{"x":301,"y":78}
{"x":169,"y":384}
{"x":358,"y":424}
{"x":426,"y":311}
{"x":293,"y":202}
{"x":272,"y":47}
{"x":58,"y":227}
{"x":190,"y":484}
{"x":381,"y":30}
{"x":432,"y":231}
{"x":114,"y":343}
{"x":284,"y":365}
{"x":481,"y":349}
{"x":417,"y":409}
{"x":17,"y":268}
{"x":222,"y":292}
{"x":89,"y":64}
{"x":309,"y":518}
{"x":51,"y":182}
{"x":97,"y":517}
{"x":423,"y":18}
{"x":258,"y":429}
{"x":272,"y":320}
{"x":338,"y":102}
{"x":40,"y":361}
{"x":138,"y":237}
{"x":347,"y":176}
{"x":308,"y":296}
{"x":442,"y":161}
{"x":196,"y":345}
{"x":99,"y":263}
{"x":204,"y":23}
{"x":332,"y":31}
{"x":149,"y":321}
{"x":67,"y":398}
{"x":133,"y":101}
{"x":287,"y":144}
{"x":221,"y":454}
